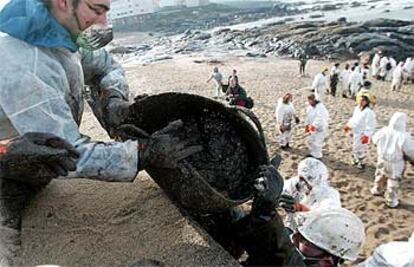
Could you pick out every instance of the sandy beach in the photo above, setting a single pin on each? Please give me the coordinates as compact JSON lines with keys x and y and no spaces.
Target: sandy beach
{"x":88,"y":223}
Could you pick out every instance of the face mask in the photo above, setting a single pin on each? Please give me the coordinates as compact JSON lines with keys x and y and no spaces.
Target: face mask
{"x":95,"y":38}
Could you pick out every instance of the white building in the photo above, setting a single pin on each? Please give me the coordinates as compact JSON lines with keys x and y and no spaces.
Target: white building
{"x":129,"y":8}
{"x":195,"y":3}
{"x":187,"y":3}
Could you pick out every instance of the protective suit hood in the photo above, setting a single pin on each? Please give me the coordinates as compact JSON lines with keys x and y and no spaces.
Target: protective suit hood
{"x":398,"y":122}
{"x":314,"y":171}
{"x":31,"y":22}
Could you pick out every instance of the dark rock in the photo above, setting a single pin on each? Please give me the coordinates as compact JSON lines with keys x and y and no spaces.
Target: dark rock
{"x":329,"y":7}
{"x":316,"y":16}
{"x":408,"y":7}
{"x":386,"y":23}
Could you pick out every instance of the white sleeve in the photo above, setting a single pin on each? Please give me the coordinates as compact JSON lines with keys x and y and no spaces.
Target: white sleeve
{"x":34,"y":105}
{"x":280,"y":111}
{"x":371,"y":123}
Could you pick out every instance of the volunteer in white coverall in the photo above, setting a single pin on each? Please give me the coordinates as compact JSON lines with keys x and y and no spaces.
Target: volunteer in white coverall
{"x":408,"y":69}
{"x":320,"y":84}
{"x":397,"y":77}
{"x":42,"y":90}
{"x":355,"y":80}
{"x":375,"y":66}
{"x":317,"y":119}
{"x":394,"y":145}
{"x":392,"y":254}
{"x":309,"y":190}
{"x":362,"y":124}
{"x":344,"y":81}
{"x":218,"y":79}
{"x":285,"y":114}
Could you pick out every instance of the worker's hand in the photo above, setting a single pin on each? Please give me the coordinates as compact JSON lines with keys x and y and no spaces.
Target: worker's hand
{"x":162,"y":149}
{"x":281,"y":129}
{"x":364,"y":139}
{"x":115,"y":112}
{"x":297,"y":120}
{"x":310,"y":128}
{"x":36,"y":157}
{"x":346,"y":129}
{"x":269,"y":185}
{"x":289,"y":204}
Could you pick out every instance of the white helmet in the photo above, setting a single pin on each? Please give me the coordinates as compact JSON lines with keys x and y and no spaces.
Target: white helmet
{"x":337,"y":231}
{"x":313,"y":170}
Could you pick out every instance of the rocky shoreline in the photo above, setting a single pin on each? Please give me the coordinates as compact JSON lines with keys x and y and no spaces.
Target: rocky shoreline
{"x":318,"y":39}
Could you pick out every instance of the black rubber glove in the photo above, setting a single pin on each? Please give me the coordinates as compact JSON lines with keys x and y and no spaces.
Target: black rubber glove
{"x":37,"y":155}
{"x":269,"y":185}
{"x":162,"y":149}
{"x":297,"y":120}
{"x":287,"y":202}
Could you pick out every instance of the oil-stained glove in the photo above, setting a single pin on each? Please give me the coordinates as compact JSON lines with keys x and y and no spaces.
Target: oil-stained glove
{"x":287,"y":202}
{"x":269,"y":185}
{"x":115,"y":112}
{"x":37,"y":157}
{"x":162,"y":149}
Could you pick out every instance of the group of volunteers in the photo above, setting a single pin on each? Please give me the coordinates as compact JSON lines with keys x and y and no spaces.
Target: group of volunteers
{"x":310,"y":189}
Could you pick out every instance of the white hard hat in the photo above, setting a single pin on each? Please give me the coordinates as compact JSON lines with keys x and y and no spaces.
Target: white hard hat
{"x":337,"y":231}
{"x":313,"y":170}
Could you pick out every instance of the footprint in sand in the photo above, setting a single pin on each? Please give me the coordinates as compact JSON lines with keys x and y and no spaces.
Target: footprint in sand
{"x":381,"y":232}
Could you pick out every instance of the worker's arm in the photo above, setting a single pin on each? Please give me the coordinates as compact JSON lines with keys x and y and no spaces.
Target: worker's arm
{"x":321,"y":118}
{"x":109,"y":87}
{"x":371,"y":124}
{"x":38,"y":103}
{"x":279,"y":112}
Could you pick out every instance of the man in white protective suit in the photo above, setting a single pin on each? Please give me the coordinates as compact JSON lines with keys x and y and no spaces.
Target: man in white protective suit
{"x":317,"y":119}
{"x":355,"y":80}
{"x":397,"y":77}
{"x":362,"y":123}
{"x":285,"y":115}
{"x":309,"y":190}
{"x":394,"y":146}
{"x":375,"y":66}
{"x":320,"y":84}
{"x":344,"y":81}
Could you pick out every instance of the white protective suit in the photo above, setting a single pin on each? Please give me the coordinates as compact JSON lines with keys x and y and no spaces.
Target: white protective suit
{"x":392,"y":254}
{"x":322,"y":195}
{"x":376,"y":65}
{"x":344,"y":82}
{"x":355,"y":81}
{"x":43,"y":91}
{"x":320,"y":85}
{"x":390,"y":73}
{"x":285,"y":114}
{"x":362,"y":122}
{"x":317,"y":116}
{"x":397,"y":77}
{"x":393,"y":143}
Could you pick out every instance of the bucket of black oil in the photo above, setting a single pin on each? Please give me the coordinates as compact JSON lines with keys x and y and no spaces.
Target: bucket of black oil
{"x":222,"y":174}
